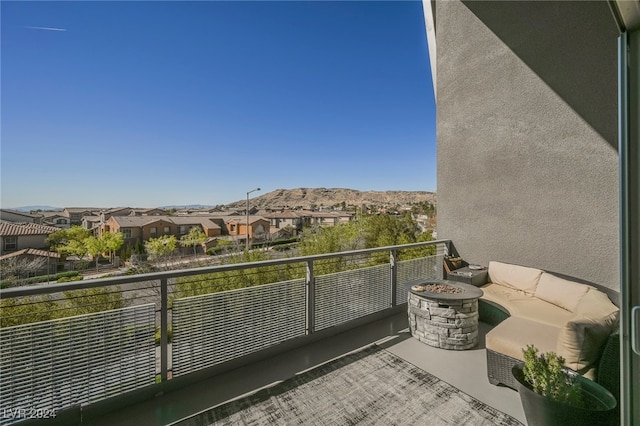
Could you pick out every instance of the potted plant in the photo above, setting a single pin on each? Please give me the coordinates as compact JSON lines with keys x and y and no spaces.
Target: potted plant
{"x":552,"y":394}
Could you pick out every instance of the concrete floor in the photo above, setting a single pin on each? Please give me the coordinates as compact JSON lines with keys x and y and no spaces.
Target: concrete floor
{"x":465,"y":370}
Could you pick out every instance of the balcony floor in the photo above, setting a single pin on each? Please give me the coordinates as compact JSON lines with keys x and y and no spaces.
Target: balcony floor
{"x":466,"y":370}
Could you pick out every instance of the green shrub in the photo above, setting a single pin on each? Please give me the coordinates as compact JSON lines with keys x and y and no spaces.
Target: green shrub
{"x":26,"y":310}
{"x":6,"y":283}
{"x":70,"y":279}
{"x":214,"y":250}
{"x":9,"y":282}
{"x":546,"y":376}
{"x":89,"y":300}
{"x":284,"y":241}
{"x":140,"y":269}
{"x":67,"y":274}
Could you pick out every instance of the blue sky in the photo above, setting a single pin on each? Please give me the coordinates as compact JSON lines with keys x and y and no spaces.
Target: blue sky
{"x":146,"y":104}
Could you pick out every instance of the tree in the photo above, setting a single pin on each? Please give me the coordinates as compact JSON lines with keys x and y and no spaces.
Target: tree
{"x":90,"y":300}
{"x":95,"y":247}
{"x":57,"y":239}
{"x":113,"y":241}
{"x":224,"y":245}
{"x":73,"y":248}
{"x":161,"y":247}
{"x":25,"y":310}
{"x":194,"y":238}
{"x":14,"y":268}
{"x":231,"y":280}
{"x":77,"y":233}
{"x":17,"y":311}
{"x":344,"y":237}
{"x":70,"y":242}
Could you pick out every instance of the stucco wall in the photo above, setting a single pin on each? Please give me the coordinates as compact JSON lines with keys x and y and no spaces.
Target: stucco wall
{"x":527,"y":135}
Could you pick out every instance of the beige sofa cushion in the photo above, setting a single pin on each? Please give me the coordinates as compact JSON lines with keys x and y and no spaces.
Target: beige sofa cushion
{"x":560,"y":292}
{"x":503,"y":296}
{"x":596,"y":304}
{"x":513,"y":335}
{"x":540,"y":311}
{"x":514,"y":276}
{"x":581,"y":339}
{"x":518,"y":304}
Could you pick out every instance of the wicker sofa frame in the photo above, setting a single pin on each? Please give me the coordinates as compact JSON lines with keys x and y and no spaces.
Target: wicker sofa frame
{"x":499,"y":365}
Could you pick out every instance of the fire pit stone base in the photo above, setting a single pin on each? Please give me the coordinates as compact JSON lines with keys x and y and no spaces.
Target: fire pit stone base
{"x":446,"y":324}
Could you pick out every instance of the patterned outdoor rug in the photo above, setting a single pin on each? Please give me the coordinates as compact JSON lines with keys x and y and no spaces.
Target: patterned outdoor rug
{"x":368,"y":387}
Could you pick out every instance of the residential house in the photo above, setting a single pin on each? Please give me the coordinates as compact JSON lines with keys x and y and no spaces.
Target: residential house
{"x":104,"y":215}
{"x":148,"y":212}
{"x":423,"y":222}
{"x":118,"y":211}
{"x":18,"y":236}
{"x":184,"y":225}
{"x":279,"y":220}
{"x":92,"y":222}
{"x":18,"y":216}
{"x":75,"y":214}
{"x":237,"y":226}
{"x":142,"y":228}
{"x":48,"y":265}
{"x":57,"y":219}
{"x":327,"y":218}
{"x":199,"y":211}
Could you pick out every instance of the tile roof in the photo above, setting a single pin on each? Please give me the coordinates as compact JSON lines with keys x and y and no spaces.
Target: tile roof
{"x":48,"y":214}
{"x":329,"y":214}
{"x":116,"y":210}
{"x":282,"y":215}
{"x":243,"y":219}
{"x":81,"y":209}
{"x":136,"y":221}
{"x":16,"y":229}
{"x":139,"y":221}
{"x":143,"y":211}
{"x":191,"y":220}
{"x":31,"y":251}
{"x":31,"y":216}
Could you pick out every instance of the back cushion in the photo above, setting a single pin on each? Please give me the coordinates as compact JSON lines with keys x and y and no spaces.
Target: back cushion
{"x":514,"y":276}
{"x":596,"y":304}
{"x":581,"y":339}
{"x":560,"y":292}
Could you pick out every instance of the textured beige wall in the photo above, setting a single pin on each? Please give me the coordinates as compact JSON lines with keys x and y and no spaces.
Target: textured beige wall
{"x":527,"y":135}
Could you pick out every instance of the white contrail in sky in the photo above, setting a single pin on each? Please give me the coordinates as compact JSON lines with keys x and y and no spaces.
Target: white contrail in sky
{"x":47,"y":28}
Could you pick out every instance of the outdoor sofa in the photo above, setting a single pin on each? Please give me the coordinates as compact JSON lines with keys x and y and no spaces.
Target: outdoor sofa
{"x":529,"y":306}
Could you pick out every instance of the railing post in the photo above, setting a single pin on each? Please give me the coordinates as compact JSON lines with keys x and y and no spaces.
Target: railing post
{"x":442,"y":250}
{"x":164,"y":326}
{"x":310,"y":284}
{"x":394,"y":275}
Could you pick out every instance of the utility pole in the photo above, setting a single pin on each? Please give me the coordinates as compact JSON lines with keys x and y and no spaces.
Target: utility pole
{"x":247,"y":239}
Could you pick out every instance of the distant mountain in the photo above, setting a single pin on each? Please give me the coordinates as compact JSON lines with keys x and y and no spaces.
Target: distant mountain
{"x":189,"y":206}
{"x":308,"y":197}
{"x":30,"y":208}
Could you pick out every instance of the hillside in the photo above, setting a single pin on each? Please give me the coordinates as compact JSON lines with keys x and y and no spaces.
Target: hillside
{"x":307,"y":197}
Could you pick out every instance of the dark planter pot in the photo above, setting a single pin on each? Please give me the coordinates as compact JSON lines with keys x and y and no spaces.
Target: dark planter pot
{"x":600,"y":404}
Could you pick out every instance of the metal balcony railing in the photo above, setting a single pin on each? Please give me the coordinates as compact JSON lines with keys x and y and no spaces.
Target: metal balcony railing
{"x":73,"y":344}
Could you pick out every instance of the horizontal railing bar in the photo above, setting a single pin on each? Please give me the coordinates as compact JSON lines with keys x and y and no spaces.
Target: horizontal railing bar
{"x":40,"y":289}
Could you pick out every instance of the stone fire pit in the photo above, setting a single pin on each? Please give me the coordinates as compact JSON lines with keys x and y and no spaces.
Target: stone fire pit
{"x":444,"y":313}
